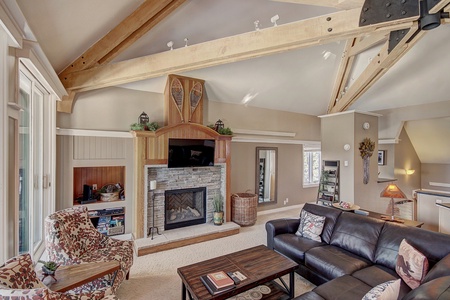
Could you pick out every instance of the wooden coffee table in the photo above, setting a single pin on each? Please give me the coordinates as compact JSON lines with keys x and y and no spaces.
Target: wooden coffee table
{"x":73,"y":276}
{"x":259,"y":264}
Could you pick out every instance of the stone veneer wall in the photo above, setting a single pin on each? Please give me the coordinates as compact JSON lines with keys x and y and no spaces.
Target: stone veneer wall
{"x":213,"y":178}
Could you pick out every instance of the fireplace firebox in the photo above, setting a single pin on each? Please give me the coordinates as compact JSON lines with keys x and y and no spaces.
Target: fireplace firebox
{"x":184,"y":207}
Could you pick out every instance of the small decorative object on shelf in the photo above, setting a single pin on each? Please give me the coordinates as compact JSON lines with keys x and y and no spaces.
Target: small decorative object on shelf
{"x":152,"y":126}
{"x":219,"y":125}
{"x":366,"y":148}
{"x":49,"y":268}
{"x":110,"y":192}
{"x":143,"y":119}
{"x":137,"y":126}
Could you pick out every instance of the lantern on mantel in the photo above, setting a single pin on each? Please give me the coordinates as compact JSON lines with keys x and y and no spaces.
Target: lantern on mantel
{"x":219,"y":125}
{"x":143,"y":119}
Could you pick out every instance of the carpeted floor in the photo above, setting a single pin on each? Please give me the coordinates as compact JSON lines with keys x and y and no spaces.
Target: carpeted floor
{"x":154,"y":276}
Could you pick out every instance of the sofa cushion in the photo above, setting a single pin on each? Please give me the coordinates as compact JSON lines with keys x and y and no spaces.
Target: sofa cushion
{"x":436,"y":289}
{"x":376,"y":274}
{"x":357,"y":234}
{"x":442,"y":268}
{"x":311,"y":226}
{"x":332,"y":262}
{"x":294,"y":246}
{"x":345,"y":287}
{"x":331,"y":215}
{"x":412,"y":266}
{"x":433,"y":245}
{"x":384,"y":291}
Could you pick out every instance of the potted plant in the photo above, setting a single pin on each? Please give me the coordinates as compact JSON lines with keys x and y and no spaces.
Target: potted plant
{"x":218,"y":210}
{"x":137,"y":126}
{"x":152,"y":126}
{"x":48,"y":267}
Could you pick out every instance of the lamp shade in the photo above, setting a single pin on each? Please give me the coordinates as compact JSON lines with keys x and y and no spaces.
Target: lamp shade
{"x":392,"y":191}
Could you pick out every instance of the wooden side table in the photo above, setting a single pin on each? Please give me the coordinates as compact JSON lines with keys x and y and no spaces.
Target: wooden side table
{"x":73,"y":276}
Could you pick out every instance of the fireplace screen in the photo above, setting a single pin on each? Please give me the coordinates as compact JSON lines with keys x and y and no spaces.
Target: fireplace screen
{"x":185,"y":207}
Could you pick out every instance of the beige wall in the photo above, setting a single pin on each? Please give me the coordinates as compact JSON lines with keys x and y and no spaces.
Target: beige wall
{"x":112,"y":109}
{"x":290,"y":170}
{"x":439,"y":173}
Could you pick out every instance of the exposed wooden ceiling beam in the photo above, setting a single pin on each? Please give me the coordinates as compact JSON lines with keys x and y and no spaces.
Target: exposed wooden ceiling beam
{"x":314,"y":31}
{"x":377,"y":67}
{"x":343,"y":72}
{"x":123,"y":35}
{"x":439,"y":6}
{"x":367,"y":42}
{"x":339,"y":4}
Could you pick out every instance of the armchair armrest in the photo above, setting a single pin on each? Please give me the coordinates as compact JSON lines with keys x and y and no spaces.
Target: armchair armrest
{"x":280,"y":226}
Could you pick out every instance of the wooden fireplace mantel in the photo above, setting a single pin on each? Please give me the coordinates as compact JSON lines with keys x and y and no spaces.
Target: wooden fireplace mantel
{"x":151,"y":148}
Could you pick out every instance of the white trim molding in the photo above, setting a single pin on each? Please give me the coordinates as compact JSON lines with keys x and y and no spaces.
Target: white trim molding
{"x":97,"y":133}
{"x":264,"y":132}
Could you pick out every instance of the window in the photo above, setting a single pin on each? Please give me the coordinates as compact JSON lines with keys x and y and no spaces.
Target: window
{"x":311,"y":167}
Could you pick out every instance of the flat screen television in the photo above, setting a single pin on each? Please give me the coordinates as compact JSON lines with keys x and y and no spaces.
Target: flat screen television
{"x":191,"y":153}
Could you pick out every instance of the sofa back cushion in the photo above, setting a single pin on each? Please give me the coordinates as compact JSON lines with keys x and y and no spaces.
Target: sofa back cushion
{"x":357,"y":234}
{"x":330,"y":214}
{"x":433,"y":245}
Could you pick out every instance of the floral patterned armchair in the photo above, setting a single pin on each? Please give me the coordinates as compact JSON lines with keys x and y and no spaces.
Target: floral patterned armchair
{"x":18,"y":280}
{"x":71,"y":238}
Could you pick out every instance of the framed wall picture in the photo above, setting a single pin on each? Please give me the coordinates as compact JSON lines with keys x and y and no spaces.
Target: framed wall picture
{"x":382,"y":157}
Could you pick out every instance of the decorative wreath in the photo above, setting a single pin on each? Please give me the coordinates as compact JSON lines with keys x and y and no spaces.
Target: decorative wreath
{"x":366,"y":148}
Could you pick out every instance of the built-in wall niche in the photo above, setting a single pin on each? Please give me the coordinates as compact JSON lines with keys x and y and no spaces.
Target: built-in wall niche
{"x":96,"y":177}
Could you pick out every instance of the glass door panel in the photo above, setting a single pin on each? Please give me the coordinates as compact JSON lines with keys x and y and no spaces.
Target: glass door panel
{"x":25,"y":182}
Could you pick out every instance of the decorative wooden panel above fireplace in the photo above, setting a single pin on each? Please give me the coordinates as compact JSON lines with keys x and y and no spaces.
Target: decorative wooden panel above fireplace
{"x":183,"y":98}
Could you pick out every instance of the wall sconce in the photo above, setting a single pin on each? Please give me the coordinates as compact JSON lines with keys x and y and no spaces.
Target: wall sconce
{"x":409,"y":171}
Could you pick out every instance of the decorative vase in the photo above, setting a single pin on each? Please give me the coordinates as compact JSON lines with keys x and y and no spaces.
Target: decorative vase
{"x":218,"y":218}
{"x":366,"y":164}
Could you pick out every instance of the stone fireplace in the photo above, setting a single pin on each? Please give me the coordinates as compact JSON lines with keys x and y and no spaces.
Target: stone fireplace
{"x":184,"y":207}
{"x":175,"y":181}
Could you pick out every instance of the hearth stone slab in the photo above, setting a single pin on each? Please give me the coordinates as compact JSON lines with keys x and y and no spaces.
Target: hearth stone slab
{"x":180,"y":237}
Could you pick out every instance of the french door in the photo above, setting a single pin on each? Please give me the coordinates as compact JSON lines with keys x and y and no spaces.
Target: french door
{"x":34,"y":163}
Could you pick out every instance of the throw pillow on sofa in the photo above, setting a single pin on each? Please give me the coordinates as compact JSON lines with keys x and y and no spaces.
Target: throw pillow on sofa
{"x":388,"y":290}
{"x":311,"y":226}
{"x":412,"y":266}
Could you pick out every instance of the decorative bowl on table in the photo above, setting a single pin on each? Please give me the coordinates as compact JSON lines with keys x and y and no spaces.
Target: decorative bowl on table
{"x":347,"y":206}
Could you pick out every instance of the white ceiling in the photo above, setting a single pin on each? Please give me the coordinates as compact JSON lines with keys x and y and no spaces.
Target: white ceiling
{"x":297,"y":81}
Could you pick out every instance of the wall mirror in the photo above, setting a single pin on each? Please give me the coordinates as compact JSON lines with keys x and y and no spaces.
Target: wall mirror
{"x":266,"y":174}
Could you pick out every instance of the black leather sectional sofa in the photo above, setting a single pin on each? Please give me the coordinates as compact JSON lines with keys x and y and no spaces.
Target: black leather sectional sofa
{"x":357,"y":253}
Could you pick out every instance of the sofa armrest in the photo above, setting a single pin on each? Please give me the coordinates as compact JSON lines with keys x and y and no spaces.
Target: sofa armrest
{"x":280,"y":226}
{"x":441,"y":269}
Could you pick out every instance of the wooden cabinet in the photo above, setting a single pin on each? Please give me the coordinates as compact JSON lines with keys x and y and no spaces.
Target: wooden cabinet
{"x":183,"y":98}
{"x":329,"y":183}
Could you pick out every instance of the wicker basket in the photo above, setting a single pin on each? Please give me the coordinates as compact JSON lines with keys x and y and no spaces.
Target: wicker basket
{"x":244,"y":208}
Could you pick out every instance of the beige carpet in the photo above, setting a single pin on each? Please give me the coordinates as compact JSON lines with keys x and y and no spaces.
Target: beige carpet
{"x":154,"y":276}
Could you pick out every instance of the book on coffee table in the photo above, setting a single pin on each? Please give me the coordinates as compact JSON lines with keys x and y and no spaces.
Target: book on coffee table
{"x":212,"y":289}
{"x":220,"y":279}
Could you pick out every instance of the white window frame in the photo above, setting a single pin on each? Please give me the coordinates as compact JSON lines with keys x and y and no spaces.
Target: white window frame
{"x":310,"y":175}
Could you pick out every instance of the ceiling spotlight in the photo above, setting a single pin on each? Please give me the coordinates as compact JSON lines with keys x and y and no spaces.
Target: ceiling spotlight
{"x":256,"y":25}
{"x":186,"y":42}
{"x":170,"y":45}
{"x":274,"y":20}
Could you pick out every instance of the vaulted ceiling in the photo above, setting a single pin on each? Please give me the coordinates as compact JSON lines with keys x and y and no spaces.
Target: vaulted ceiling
{"x":316,"y":60}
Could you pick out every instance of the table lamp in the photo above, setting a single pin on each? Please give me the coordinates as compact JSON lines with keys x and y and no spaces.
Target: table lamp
{"x":392,"y":191}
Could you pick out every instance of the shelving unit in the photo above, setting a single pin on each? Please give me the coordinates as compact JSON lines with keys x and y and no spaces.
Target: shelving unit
{"x":109,"y":221}
{"x":329,"y":183}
